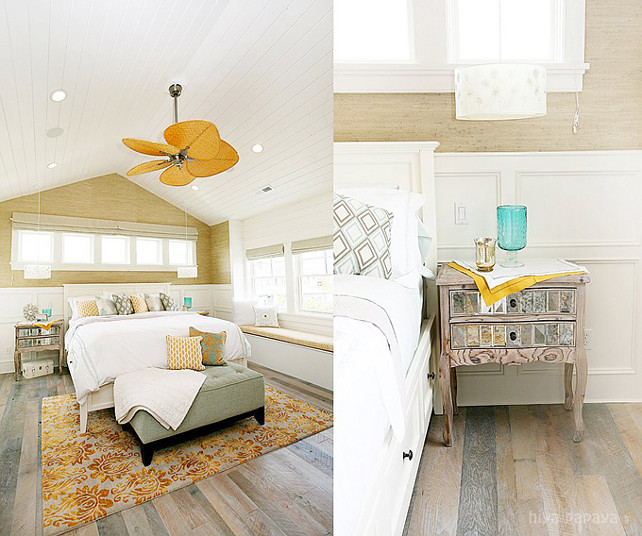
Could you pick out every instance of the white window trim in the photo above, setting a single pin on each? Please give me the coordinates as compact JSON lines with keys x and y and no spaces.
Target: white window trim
{"x":431,"y":73}
{"x":62,"y":247}
{"x":299,"y":293}
{"x":16,"y":246}
{"x":97,"y":265}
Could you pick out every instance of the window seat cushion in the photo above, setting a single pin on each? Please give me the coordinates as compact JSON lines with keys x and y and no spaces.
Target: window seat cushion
{"x":302,"y":338}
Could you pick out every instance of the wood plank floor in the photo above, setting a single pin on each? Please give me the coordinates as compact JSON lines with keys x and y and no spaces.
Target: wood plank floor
{"x":285,"y":492}
{"x":514,"y":471}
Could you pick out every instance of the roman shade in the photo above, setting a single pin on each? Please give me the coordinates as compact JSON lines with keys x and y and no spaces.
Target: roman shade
{"x":312,"y":244}
{"x":265,"y":252}
{"x":48,"y":222}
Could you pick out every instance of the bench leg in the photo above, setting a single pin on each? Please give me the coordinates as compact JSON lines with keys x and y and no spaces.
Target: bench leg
{"x":84,"y":410}
{"x":146,"y":453}
{"x":259,"y":415}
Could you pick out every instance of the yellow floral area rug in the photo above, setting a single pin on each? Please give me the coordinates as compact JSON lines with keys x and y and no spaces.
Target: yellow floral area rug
{"x":89,"y":476}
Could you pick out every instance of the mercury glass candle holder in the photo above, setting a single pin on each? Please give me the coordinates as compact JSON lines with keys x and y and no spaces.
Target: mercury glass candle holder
{"x":511,"y":232}
{"x":485,"y":254}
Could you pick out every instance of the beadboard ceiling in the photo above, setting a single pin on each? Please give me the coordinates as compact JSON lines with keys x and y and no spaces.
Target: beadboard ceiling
{"x":261,"y":70}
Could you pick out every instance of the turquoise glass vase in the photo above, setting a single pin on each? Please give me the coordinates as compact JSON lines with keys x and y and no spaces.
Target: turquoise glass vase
{"x":511,"y":232}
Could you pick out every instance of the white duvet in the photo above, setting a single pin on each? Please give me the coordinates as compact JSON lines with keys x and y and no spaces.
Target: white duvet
{"x":101,"y":348}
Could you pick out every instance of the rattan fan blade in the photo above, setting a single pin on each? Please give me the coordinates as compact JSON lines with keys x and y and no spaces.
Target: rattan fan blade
{"x":201,"y":137}
{"x":147,"y":167}
{"x":149,"y":147}
{"x":227,"y":157}
{"x":176,"y":176}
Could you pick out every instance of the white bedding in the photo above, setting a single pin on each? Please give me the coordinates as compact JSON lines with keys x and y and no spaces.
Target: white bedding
{"x":364,"y":411}
{"x":104,"y":347}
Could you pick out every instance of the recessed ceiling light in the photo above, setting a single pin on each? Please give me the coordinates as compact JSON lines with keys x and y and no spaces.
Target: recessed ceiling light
{"x":194,"y":187}
{"x":52,"y":165}
{"x":258,"y":148}
{"x":267,"y":188}
{"x":54,"y":132}
{"x":58,"y":96}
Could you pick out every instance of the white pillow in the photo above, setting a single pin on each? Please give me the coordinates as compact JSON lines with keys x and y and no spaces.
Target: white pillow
{"x":404,"y":249}
{"x":243,"y":312}
{"x":74,"y":308}
{"x":153,"y":302}
{"x":106,"y":306}
{"x":266,"y":317}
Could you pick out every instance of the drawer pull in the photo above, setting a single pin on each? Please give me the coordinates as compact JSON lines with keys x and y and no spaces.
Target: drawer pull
{"x":431,"y":375}
{"x":408,"y":455}
{"x":513,"y":302}
{"x":513,"y":336}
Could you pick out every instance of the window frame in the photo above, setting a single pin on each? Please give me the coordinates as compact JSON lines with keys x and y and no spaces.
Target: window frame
{"x":252,"y":278}
{"x":431,"y":72}
{"x":191,"y":253}
{"x":298,"y":262}
{"x":160,"y":256}
{"x":17,"y":239}
{"x":92,"y":248}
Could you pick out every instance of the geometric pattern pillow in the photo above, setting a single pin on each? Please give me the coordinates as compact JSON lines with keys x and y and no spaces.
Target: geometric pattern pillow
{"x":138,"y":303}
{"x":153,"y":302}
{"x":87,"y":308}
{"x":169,"y":303}
{"x":106,"y":306}
{"x":123,"y":304}
{"x":361,"y":239}
{"x":184,"y":353}
{"x":212,"y":345}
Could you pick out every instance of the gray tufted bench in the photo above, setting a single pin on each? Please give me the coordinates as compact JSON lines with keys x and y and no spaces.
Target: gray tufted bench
{"x":228,"y":394}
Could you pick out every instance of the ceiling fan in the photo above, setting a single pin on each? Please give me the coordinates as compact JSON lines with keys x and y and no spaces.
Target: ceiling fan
{"x":193,"y":149}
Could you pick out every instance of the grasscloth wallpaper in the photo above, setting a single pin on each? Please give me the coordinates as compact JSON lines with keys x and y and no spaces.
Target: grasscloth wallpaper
{"x":113,"y":197}
{"x":611,"y":103}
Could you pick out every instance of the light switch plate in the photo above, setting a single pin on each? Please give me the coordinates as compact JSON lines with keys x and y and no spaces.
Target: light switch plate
{"x":460,"y":214}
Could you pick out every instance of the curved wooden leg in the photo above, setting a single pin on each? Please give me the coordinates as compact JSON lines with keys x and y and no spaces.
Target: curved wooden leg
{"x":84,"y":410}
{"x":444,"y":385}
{"x":453,"y":388}
{"x":580,"y":389}
{"x":568,"y":386}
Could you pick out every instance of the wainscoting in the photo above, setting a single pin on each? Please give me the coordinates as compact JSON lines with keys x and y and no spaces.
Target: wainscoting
{"x":582,"y":206}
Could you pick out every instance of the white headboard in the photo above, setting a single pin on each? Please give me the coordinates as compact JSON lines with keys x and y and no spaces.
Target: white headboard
{"x":404,"y":165}
{"x":75,"y":290}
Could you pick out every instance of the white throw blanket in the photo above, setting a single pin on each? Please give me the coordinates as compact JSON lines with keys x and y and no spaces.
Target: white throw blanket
{"x":167,"y":395}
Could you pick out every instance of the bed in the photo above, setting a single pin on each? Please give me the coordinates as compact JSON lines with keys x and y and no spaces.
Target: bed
{"x":101,"y":348}
{"x":383,"y":397}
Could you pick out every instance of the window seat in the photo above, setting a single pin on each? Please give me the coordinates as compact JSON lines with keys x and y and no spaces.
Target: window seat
{"x":301,"y":338}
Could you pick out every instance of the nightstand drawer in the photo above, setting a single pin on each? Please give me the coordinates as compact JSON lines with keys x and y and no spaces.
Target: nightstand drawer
{"x":507,"y":335}
{"x":540,"y":301}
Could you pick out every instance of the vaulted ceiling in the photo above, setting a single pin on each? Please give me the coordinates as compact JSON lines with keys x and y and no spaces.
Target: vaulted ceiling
{"x":261,"y":70}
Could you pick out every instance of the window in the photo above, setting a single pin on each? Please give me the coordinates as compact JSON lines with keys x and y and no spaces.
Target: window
{"x":35,"y":246}
{"x":383,"y":31}
{"x":114,"y":249}
{"x":77,"y":248}
{"x":149,"y":251}
{"x":181,"y":253}
{"x":315,"y":281}
{"x":505,"y":30}
{"x":269,"y":281}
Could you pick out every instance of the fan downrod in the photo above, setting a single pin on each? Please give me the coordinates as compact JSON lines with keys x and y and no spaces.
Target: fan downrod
{"x":175,"y":92}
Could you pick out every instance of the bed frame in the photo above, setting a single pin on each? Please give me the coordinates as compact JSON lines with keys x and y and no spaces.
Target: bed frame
{"x":406,"y":166}
{"x":104,"y":397}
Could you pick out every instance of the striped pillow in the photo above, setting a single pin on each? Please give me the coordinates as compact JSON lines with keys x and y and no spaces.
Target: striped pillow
{"x":139,"y":304}
{"x":184,"y":353}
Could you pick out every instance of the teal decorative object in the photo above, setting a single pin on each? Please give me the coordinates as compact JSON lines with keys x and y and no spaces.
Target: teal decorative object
{"x":187,"y":302}
{"x":511,"y":232}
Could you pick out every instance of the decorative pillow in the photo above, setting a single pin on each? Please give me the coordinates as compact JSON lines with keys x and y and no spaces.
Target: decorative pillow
{"x":138,"y":303}
{"x":169,"y":303}
{"x":184,"y":353}
{"x":243,"y":312}
{"x":362,"y":235}
{"x":74,"y":308}
{"x":212,"y":346}
{"x":266,"y":317}
{"x":153,"y":302}
{"x":106,"y":306}
{"x":123,"y":304}
{"x":87,"y":308}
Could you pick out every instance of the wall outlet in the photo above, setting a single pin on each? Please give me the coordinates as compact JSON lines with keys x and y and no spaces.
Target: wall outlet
{"x":8,"y":350}
{"x":588,"y":338}
{"x":460,"y":214}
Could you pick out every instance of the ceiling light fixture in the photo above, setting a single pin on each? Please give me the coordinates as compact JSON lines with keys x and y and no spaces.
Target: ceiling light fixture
{"x":54,"y":132}
{"x":267,"y":189}
{"x":194,"y":187}
{"x":257,"y":148}
{"x":58,"y":96}
{"x":52,"y":165}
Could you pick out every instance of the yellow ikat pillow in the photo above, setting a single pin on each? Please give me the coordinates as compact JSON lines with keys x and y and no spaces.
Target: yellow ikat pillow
{"x":184,"y":353}
{"x":139,"y":303}
{"x":87,"y":308}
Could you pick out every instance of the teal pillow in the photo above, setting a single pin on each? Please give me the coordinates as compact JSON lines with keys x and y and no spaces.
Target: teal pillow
{"x":212,"y":346}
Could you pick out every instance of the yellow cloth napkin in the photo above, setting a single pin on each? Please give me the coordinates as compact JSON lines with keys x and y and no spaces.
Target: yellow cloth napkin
{"x":514,"y":285}
{"x":46,"y":327}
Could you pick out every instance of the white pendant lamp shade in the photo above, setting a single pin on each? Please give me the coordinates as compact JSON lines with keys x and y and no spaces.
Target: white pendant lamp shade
{"x":499,"y":92}
{"x":37,"y":271}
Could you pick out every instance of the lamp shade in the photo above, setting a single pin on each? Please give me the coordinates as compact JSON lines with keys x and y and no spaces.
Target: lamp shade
{"x":37,"y":271}
{"x":498,"y":92}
